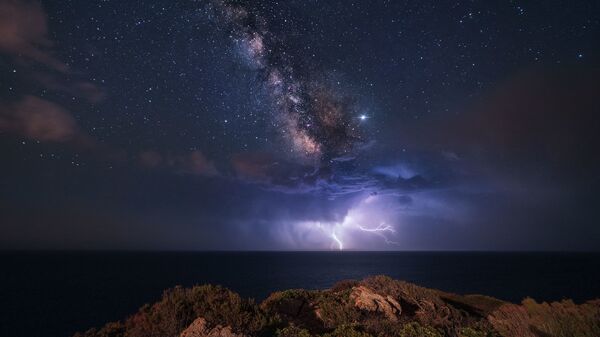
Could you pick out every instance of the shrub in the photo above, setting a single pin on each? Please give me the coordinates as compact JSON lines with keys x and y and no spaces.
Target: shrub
{"x":336,"y":309}
{"x":178,"y":308}
{"x":557,"y":319}
{"x":564,"y":318}
{"x":344,"y":285}
{"x":114,"y":329}
{"x":294,"y":307}
{"x":473,"y":332}
{"x":415,"y":329}
{"x":381,"y":327}
{"x":293,"y":331}
{"x":347,"y":331}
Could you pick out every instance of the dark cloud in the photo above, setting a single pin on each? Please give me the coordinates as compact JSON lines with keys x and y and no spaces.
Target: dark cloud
{"x":279,"y":174}
{"x":339,"y":179}
{"x":416,"y":182}
{"x":253,"y":166}
{"x":405,"y":199}
{"x":545,"y":115}
{"x":273,"y":173}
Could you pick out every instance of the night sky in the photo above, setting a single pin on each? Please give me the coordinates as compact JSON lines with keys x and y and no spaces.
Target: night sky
{"x":300,"y":125}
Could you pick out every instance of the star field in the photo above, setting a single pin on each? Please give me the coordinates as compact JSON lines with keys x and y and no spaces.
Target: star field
{"x":275,"y":121}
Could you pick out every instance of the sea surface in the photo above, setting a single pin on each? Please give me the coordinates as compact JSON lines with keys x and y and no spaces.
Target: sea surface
{"x":59,"y":293}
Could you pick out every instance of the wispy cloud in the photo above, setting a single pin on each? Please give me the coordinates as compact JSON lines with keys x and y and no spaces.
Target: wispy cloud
{"x":39,"y":119}
{"x":24,"y":38}
{"x":23,"y":33}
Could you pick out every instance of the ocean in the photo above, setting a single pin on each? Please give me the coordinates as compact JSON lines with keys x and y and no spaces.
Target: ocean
{"x":59,"y":293}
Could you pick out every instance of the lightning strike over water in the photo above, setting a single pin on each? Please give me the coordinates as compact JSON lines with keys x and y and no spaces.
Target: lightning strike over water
{"x":381,"y":230}
{"x":351,"y":232}
{"x":338,"y":241}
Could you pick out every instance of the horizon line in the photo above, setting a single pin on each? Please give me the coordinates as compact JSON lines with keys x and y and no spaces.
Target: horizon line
{"x":336,"y":251}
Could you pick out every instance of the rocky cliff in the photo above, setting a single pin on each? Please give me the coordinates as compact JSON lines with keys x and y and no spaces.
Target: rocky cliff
{"x":376,"y":306}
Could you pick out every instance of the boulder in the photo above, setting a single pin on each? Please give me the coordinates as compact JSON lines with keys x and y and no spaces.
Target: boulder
{"x":199,"y":328}
{"x":368,"y":300}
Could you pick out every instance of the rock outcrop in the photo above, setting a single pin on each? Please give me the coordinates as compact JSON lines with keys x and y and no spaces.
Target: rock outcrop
{"x":366,"y":299}
{"x":199,"y":328}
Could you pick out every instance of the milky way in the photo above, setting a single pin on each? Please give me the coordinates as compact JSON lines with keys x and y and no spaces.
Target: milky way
{"x":317,"y":122}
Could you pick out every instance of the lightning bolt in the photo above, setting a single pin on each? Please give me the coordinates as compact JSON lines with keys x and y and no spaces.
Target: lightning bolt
{"x":381,"y":230}
{"x":333,"y":236}
{"x":339,"y":242}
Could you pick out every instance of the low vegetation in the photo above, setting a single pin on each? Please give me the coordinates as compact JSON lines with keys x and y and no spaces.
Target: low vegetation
{"x":375,"y":307}
{"x":557,"y":319}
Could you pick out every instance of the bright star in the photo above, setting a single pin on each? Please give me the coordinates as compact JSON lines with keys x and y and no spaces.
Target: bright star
{"x":363,"y":117}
